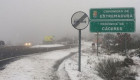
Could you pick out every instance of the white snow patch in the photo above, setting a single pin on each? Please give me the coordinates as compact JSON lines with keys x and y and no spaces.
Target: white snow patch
{"x":47,"y":46}
{"x":35,"y":66}
{"x":88,"y":65}
{"x":137,"y":66}
{"x":59,"y":54}
{"x":89,"y":60}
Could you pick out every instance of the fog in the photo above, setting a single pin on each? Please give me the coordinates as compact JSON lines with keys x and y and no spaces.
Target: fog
{"x":31,"y":20}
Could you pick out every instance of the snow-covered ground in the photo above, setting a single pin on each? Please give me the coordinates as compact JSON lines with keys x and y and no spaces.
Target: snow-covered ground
{"x":47,"y":46}
{"x":35,"y":66}
{"x":88,"y":62}
{"x":41,"y":66}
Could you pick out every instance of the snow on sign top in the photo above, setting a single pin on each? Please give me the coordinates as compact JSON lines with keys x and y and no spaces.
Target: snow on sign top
{"x":79,"y":20}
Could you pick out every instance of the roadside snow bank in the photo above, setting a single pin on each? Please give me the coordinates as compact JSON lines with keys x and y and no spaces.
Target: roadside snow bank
{"x":47,"y":46}
{"x":89,"y":60}
{"x":87,"y":73}
{"x":137,"y":66}
{"x":88,"y":64}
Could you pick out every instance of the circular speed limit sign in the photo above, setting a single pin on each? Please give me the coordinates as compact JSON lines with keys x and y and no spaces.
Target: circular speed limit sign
{"x":79,"y":20}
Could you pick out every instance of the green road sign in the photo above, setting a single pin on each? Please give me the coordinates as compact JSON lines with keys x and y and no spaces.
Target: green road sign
{"x":112,"y":26}
{"x":112,"y":20}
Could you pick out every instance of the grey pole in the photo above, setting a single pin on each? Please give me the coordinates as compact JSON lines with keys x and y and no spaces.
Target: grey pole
{"x":125,"y":42}
{"x":79,"y":65}
{"x":97,"y":43}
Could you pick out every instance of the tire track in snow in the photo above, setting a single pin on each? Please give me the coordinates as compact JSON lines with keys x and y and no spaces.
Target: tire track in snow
{"x":58,"y":63}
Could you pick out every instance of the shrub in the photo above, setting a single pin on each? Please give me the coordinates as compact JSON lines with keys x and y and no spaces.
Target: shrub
{"x":113,"y":69}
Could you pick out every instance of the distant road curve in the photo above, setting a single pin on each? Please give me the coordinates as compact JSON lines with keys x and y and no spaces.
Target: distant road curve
{"x":16,"y":51}
{"x":12,"y":53}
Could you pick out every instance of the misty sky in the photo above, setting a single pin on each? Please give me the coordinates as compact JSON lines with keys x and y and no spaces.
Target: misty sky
{"x":30,"y":20}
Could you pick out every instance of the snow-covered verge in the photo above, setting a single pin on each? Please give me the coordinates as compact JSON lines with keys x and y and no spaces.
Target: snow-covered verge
{"x":47,"y":46}
{"x":137,"y":66}
{"x":41,"y":66}
{"x":35,"y":66}
{"x":89,"y":62}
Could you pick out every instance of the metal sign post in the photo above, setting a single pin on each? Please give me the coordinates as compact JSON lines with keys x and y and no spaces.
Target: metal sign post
{"x":79,"y":21}
{"x":125,"y":44}
{"x":97,"y":43}
{"x":79,"y":68}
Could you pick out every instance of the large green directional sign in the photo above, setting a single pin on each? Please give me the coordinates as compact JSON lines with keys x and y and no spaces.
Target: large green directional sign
{"x":112,"y":20}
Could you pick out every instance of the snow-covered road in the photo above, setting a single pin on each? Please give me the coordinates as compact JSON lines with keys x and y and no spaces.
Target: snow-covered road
{"x":35,"y":66}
